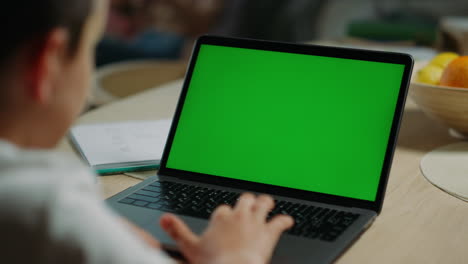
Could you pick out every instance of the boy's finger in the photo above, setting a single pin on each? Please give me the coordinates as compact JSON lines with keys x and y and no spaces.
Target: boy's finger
{"x":245,"y":203}
{"x":280,"y":223}
{"x":180,"y":232}
{"x":221,"y":211}
{"x":263,"y":205}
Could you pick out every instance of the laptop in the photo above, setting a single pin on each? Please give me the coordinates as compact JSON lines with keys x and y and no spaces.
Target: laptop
{"x":313,"y":126}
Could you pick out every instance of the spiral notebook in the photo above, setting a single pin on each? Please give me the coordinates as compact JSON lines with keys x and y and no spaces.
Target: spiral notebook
{"x":112,"y":148}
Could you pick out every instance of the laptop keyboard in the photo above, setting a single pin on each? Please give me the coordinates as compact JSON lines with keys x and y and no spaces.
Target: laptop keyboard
{"x":310,"y":221}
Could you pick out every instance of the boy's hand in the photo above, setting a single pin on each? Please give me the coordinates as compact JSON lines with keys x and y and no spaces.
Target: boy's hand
{"x":235,"y":235}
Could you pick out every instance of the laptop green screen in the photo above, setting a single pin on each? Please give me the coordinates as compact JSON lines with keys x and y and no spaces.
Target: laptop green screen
{"x":306,"y":122}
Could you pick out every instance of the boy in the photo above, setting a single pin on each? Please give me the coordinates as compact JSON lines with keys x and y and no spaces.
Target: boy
{"x":50,"y":209}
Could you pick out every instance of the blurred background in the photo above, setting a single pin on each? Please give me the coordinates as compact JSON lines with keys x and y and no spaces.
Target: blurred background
{"x":153,"y":38}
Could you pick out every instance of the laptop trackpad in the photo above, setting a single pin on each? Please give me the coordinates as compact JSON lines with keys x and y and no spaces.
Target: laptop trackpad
{"x":196,"y":225}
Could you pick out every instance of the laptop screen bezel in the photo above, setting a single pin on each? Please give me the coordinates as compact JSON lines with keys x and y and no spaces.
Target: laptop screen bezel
{"x":336,"y":52}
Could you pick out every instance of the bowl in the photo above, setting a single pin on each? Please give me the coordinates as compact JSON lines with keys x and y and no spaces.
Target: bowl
{"x":448,"y":105}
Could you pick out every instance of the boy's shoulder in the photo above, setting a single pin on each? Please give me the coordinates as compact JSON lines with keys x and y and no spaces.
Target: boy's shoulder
{"x":34,"y":177}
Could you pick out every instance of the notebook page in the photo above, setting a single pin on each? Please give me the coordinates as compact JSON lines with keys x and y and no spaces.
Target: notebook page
{"x":132,"y":141}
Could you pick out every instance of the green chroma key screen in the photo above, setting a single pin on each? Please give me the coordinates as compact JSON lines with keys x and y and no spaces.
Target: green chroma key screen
{"x":307,"y":122}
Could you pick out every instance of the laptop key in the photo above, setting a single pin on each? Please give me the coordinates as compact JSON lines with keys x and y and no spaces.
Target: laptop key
{"x":165,"y":197}
{"x":154,"y":206}
{"x":156,"y":183}
{"x":308,"y":211}
{"x":178,"y":207}
{"x":152,"y":189}
{"x":148,"y":193}
{"x":326,"y":217}
{"x":140,"y":203}
{"x":335,"y":219}
{"x":195,"y":208}
{"x":126,"y":201}
{"x":349,"y":218}
{"x":313,"y":212}
{"x":143,"y":198}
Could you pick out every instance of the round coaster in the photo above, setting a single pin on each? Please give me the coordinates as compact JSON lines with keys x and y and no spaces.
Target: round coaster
{"x":447,"y":168}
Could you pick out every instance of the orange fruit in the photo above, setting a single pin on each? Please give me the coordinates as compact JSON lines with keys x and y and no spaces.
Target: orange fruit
{"x":456,"y":73}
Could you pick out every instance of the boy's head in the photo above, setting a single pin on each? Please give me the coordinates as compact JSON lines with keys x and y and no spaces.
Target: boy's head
{"x":46,"y":60}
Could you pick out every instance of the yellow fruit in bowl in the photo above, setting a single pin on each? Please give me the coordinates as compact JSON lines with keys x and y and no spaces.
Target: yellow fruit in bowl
{"x":456,"y":73}
{"x":432,"y":72}
{"x":443,"y":59}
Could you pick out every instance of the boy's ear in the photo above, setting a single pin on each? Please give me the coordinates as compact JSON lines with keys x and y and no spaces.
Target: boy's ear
{"x":46,"y":62}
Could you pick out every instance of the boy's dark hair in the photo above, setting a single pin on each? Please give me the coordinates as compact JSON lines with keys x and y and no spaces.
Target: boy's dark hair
{"x":27,"y":21}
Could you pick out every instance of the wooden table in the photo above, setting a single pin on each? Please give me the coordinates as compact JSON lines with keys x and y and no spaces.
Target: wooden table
{"x":419,"y":223}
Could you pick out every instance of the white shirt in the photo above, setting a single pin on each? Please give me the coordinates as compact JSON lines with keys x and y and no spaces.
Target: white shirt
{"x":51,"y":212}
